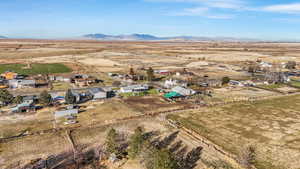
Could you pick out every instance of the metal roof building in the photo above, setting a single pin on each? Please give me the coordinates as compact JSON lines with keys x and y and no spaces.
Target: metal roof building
{"x":183,"y":91}
{"x":98,"y":93}
{"x":64,"y":113}
{"x":134,"y":88}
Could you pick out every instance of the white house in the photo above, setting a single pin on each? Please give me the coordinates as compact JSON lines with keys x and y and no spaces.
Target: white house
{"x":170,"y":83}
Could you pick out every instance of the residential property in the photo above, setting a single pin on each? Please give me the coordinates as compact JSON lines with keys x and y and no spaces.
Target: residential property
{"x":57,"y":98}
{"x":172,"y":83}
{"x":60,"y":78}
{"x":21,"y":83}
{"x":134,"y":88}
{"x":9,"y":75}
{"x":30,"y":99}
{"x":26,"y":106}
{"x":77,"y":95}
{"x":3,"y":84}
{"x":205,"y":81}
{"x":83,"y":80}
{"x":276,"y":77}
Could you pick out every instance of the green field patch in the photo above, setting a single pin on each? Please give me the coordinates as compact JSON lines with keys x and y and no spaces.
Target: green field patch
{"x":145,"y":93}
{"x":35,"y":68}
{"x":295,"y":84}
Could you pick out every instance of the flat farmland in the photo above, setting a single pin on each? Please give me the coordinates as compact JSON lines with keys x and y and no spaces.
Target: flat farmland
{"x":272,"y":126}
{"x":105,"y":56}
{"x":35,"y":68}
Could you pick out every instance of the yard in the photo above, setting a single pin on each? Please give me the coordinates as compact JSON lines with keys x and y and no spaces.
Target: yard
{"x":272,"y":86}
{"x":295,"y":83}
{"x":13,"y":125}
{"x":35,"y":68}
{"x":61,"y":86}
{"x":149,"y":92}
{"x":150,"y":104}
{"x":272,"y":126}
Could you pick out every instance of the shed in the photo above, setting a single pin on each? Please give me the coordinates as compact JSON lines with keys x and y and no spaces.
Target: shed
{"x":64,"y":113}
{"x":98,"y":93}
{"x":134,"y":88}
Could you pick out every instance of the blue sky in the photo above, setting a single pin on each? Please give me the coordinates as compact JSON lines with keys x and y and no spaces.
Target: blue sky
{"x":263,"y":19}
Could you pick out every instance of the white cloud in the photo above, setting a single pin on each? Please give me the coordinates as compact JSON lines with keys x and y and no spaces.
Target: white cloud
{"x":224,"y":4}
{"x":201,"y":11}
{"x":226,"y":9}
{"x":284,"y":8}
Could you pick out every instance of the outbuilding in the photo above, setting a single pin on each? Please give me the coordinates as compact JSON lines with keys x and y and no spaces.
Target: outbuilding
{"x":64,"y":113}
{"x":98,"y":93}
{"x":134,"y":88}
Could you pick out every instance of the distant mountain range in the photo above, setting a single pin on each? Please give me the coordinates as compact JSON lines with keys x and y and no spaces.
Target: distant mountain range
{"x":147,"y":37}
{"x":3,"y":37}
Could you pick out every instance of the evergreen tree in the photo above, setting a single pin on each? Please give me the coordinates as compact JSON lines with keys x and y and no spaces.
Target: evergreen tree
{"x":45,"y":98}
{"x":18,"y":99}
{"x":111,"y":142}
{"x":225,"y":80}
{"x":131,"y":72}
{"x":69,"y":97}
{"x":136,"y":143}
{"x":291,"y":65}
{"x":162,"y":159}
{"x":5,"y":97}
{"x":150,"y":74}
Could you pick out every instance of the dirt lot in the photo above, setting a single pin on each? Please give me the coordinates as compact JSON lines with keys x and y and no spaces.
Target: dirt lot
{"x":152,"y":104}
{"x":272,"y":126}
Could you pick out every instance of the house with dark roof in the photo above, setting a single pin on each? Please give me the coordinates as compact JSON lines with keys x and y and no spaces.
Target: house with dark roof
{"x":77,"y":95}
{"x":26,"y":106}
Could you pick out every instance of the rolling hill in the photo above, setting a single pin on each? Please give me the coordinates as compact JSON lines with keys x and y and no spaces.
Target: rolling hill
{"x":147,"y":37}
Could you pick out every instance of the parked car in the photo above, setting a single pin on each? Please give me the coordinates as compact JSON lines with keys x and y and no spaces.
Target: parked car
{"x":70,"y":122}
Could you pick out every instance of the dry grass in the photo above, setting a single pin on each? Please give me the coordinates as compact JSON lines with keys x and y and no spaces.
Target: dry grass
{"x":33,"y":147}
{"x":271,"y":125}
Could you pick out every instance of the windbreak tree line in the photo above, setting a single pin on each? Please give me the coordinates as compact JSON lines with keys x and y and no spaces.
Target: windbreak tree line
{"x":153,"y":153}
